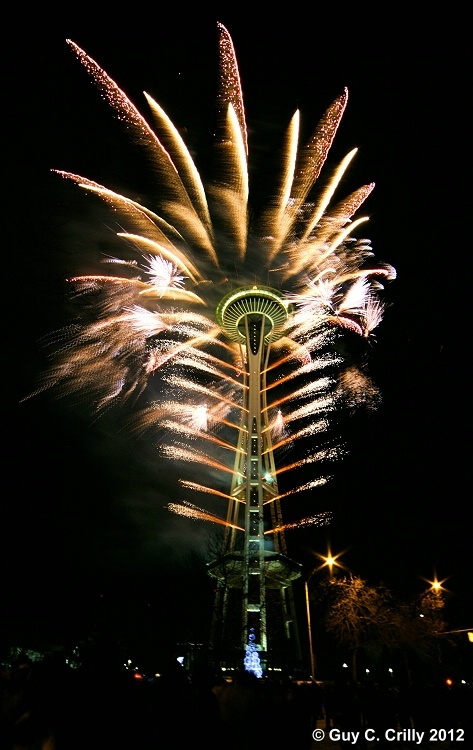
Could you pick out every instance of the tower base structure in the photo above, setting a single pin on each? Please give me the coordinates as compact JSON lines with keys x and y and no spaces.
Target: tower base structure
{"x":230,"y":626}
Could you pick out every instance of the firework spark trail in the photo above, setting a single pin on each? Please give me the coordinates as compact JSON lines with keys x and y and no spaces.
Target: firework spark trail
{"x":167,"y":351}
{"x":356,"y":296}
{"x":233,"y":196}
{"x":302,"y":488}
{"x":323,"y":404}
{"x":230,"y":85}
{"x":189,"y":385}
{"x":199,"y":514}
{"x":311,"y":429}
{"x":198,"y":417}
{"x":274,"y":218}
{"x":312,"y":341}
{"x":348,"y":323}
{"x":183,"y":161}
{"x":157,"y":320}
{"x":309,"y":163}
{"x":196,"y":363}
{"x":184,"y":453}
{"x":373,"y":311}
{"x":306,"y":368}
{"x":306,"y":390}
{"x":297,"y":350}
{"x":277,"y":426}
{"x":154,"y":228}
{"x":321,"y":519}
{"x":178,"y":200}
{"x":327,"y":454}
{"x":203,"y":488}
{"x":201,"y":355}
{"x":192,"y":432}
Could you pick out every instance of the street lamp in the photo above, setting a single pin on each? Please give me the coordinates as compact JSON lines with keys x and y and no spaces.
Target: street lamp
{"x":330,"y":562}
{"x":436,"y":586}
{"x":309,"y":627}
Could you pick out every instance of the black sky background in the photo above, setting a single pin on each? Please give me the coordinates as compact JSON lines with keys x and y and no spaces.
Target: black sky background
{"x":82,"y":512}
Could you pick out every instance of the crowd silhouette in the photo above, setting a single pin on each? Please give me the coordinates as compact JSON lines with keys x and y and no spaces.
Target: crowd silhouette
{"x":49,"y":706}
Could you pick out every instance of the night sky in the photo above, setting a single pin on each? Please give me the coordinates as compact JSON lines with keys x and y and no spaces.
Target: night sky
{"x":83,"y":504}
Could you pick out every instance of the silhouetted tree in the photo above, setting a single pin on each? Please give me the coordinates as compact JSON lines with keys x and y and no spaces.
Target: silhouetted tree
{"x":362,"y":616}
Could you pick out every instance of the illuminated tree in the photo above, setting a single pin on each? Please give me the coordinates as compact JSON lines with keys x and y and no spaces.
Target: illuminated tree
{"x":252,"y":662}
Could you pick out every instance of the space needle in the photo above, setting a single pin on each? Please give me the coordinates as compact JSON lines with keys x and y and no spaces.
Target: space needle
{"x":254,"y":575}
